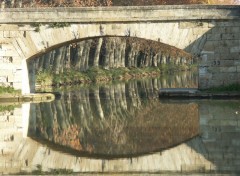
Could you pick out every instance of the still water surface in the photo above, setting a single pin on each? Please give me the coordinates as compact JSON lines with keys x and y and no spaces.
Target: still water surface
{"x":123,"y":127}
{"x":115,"y":120}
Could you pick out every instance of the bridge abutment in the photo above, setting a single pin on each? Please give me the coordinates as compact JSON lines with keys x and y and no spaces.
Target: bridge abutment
{"x":220,"y":56}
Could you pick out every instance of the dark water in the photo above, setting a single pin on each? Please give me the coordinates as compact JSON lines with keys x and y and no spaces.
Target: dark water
{"x":116,"y":120}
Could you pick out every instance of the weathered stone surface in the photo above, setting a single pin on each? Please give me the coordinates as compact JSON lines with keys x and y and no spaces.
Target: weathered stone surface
{"x":213,"y":37}
{"x":211,"y":29}
{"x":235,"y":49}
{"x":228,"y":69}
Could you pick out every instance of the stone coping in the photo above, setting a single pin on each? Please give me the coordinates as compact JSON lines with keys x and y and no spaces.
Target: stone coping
{"x":102,"y":8}
{"x":196,"y":93}
{"x":33,"y":98}
{"x":119,"y":14}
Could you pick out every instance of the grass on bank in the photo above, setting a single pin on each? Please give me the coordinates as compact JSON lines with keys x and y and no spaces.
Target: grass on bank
{"x":8,"y":90}
{"x":8,"y":108}
{"x":98,"y":75}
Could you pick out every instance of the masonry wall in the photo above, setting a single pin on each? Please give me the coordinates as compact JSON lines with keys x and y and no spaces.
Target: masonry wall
{"x":220,"y":56}
{"x":220,"y":126}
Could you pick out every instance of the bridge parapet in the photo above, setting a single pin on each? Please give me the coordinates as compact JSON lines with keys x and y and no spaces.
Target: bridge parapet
{"x":119,"y":14}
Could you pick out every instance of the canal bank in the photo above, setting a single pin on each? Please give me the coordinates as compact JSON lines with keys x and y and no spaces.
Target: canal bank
{"x":196,"y":93}
{"x":34,"y":98}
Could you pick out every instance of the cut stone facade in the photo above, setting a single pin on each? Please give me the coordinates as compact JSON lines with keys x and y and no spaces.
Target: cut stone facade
{"x":209,"y":33}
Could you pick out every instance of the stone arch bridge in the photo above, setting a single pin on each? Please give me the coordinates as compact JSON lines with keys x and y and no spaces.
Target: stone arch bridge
{"x":211,"y":33}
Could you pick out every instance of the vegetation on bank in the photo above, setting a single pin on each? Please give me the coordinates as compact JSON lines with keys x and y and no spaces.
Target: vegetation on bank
{"x":8,"y":90}
{"x":4,"y":108}
{"x":87,"y":3}
{"x":98,"y":75}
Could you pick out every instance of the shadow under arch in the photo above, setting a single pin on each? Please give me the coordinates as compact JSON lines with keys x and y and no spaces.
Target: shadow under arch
{"x":107,"y":52}
{"x":48,"y":49}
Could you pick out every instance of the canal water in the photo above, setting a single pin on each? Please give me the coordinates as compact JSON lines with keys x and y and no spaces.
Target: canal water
{"x":122,"y":127}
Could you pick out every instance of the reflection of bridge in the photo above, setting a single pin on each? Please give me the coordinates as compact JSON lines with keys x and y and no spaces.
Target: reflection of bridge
{"x":211,"y":32}
{"x":216,"y":150}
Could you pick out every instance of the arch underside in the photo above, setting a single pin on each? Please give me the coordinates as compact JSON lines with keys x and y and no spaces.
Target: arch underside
{"x":171,"y":33}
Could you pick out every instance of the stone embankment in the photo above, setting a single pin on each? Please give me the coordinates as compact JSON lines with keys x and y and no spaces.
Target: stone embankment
{"x":195,"y":93}
{"x":35,"y":98}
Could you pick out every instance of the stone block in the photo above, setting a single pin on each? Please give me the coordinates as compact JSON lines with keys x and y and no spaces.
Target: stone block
{"x":227,"y":63}
{"x":227,"y":43}
{"x":2,"y":53}
{"x":219,"y":50}
{"x":209,"y":46}
{"x":7,"y":66}
{"x":232,"y":81}
{"x":14,"y":34}
{"x":232,"y":36}
{"x":238,"y":69}
{"x":229,"y":155}
{"x":227,"y":24}
{"x":233,"y":136}
{"x":17,"y":85}
{"x":236,"y":142}
{"x":1,"y":34}
{"x":231,"y":56}
{"x":225,"y":30}
{"x":214,"y":70}
{"x":6,"y":34}
{"x":11,"y":78}
{"x":235,"y":49}
{"x":3,"y":79}
{"x":213,"y":37}
{"x":11,"y":53}
{"x":24,"y":16}
{"x":17,"y":60}
{"x":200,"y":31}
{"x":211,"y":24}
{"x":234,"y":30}
{"x":187,"y":25}
{"x":5,"y":60}
{"x":193,"y":167}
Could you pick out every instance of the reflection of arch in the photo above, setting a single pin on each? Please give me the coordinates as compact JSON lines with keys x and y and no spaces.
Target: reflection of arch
{"x":208,"y":153}
{"x":183,"y":158}
{"x":127,"y":129}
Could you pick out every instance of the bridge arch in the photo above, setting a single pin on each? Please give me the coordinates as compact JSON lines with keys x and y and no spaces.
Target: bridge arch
{"x":171,"y":33}
{"x":208,"y":32}
{"x":106,"y":52}
{"x":38,"y":40}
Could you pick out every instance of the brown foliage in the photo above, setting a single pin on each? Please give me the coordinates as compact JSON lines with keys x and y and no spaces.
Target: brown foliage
{"x":87,"y":3}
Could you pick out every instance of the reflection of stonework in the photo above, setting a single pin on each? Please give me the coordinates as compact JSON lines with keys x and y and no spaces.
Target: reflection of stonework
{"x":6,"y":59}
{"x":216,"y":150}
{"x":11,"y":131}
